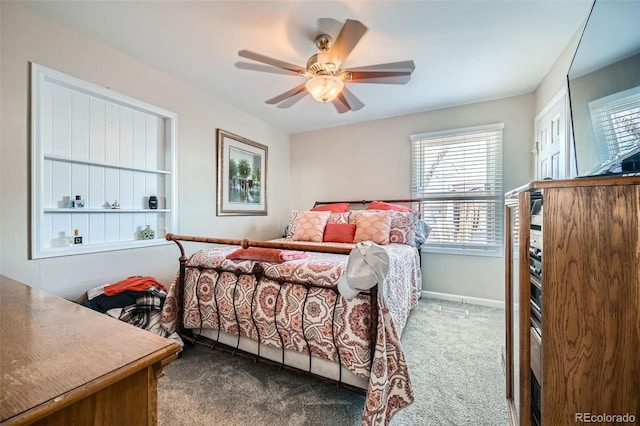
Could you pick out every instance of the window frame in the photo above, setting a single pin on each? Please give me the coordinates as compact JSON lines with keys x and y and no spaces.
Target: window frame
{"x":494,"y":194}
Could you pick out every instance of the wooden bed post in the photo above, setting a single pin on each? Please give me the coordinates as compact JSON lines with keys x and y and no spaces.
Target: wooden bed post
{"x":179,"y":288}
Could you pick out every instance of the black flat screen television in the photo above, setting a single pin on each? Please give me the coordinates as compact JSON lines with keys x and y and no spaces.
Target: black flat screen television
{"x":604,"y":91}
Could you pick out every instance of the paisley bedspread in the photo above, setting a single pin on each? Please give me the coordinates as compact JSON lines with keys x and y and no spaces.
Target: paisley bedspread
{"x":256,"y":300}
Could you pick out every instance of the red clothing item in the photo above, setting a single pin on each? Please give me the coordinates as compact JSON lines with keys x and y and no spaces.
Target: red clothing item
{"x":266,"y":254}
{"x":132,"y":283}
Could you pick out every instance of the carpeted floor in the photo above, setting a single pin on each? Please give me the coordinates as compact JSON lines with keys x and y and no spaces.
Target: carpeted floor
{"x":454,"y":361}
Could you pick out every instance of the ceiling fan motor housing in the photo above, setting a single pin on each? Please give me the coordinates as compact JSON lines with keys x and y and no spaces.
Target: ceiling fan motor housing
{"x":323,"y":42}
{"x":319,"y":64}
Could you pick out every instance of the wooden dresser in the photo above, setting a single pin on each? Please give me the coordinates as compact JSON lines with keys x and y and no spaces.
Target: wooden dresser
{"x":64,"y":364}
{"x":572,"y":297}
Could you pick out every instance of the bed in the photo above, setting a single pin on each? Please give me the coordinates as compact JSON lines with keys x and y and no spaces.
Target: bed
{"x":281,"y":302}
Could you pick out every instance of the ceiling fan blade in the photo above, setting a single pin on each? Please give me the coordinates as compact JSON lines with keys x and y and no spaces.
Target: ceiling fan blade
{"x":289,"y":93}
{"x":347,"y":101}
{"x":350,"y":34}
{"x":381,"y":77}
{"x":341,"y":104}
{"x":263,"y":68}
{"x":270,"y":61}
{"x":355,"y":103}
{"x":292,"y":100}
{"x":391,"y":66}
{"x":390,"y":73}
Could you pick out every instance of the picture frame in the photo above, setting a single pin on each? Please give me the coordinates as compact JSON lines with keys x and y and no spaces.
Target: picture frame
{"x":242,"y":175}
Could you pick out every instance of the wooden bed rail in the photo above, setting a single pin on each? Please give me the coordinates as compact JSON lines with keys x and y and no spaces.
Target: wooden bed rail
{"x":410,"y":200}
{"x":245,"y":243}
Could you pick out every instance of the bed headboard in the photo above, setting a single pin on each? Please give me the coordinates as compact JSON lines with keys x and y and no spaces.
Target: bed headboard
{"x":415,"y":204}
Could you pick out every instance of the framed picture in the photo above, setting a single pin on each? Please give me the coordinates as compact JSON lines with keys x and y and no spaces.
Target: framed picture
{"x":242,"y":175}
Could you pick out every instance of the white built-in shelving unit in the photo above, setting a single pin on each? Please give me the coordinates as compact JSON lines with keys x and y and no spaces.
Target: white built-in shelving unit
{"x":105,"y":147}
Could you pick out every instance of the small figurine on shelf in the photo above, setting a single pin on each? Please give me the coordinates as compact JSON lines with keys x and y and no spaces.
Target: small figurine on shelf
{"x":147,"y":233}
{"x":78,"y":202}
{"x":76,"y":238}
{"x":115,"y":205}
{"x":153,"y":202}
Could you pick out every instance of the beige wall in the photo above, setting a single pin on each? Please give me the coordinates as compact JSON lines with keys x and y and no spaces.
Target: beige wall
{"x":368,"y":160}
{"x":371,"y":161}
{"x":29,"y":37}
{"x":556,"y":78}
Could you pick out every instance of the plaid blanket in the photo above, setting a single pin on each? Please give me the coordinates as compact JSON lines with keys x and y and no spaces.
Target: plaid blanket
{"x":140,"y":313}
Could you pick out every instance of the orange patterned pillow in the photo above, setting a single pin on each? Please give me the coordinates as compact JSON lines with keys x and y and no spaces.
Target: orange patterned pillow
{"x":373,"y":226}
{"x":309,"y":225}
{"x":381,"y":205}
{"x":339,"y":232}
{"x":335,"y":208}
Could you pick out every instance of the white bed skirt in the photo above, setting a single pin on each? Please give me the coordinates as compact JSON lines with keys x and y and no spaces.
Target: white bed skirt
{"x":319,"y":366}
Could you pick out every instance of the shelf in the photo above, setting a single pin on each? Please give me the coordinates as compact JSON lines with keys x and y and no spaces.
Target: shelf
{"x":86,"y":210}
{"x":102,"y":164}
{"x":90,"y":141}
{"x":101,"y":247}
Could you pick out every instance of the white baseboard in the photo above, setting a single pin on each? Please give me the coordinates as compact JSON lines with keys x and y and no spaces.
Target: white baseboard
{"x":463,"y":299}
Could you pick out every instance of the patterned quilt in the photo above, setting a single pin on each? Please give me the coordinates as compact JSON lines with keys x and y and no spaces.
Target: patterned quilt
{"x":223,"y":293}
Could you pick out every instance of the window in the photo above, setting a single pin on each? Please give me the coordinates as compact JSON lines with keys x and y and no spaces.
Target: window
{"x":457,"y":175}
{"x":616,"y":120}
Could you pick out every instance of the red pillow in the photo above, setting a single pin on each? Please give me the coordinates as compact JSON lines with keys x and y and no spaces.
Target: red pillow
{"x":339,"y":232}
{"x":334,"y":208}
{"x":381,"y":205}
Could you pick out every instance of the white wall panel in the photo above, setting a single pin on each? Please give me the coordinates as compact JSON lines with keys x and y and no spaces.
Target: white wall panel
{"x":139,"y":140}
{"x":60,"y":183}
{"x":61,"y":121}
{"x":126,"y":137}
{"x":126,"y":190}
{"x":127,"y":229}
{"x":154,"y":150}
{"x":139,"y":191}
{"x":96,"y":228}
{"x":112,"y":185}
{"x":96,"y":198}
{"x":97,"y":129}
{"x":60,"y":231}
{"x":80,"y":114}
{"x":79,"y":182}
{"x":112,"y":133}
{"x":46,"y":119}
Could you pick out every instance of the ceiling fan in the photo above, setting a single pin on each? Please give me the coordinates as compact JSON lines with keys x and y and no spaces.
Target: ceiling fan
{"x":324,"y":73}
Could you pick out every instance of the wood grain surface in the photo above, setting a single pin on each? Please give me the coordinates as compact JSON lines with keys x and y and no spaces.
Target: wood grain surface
{"x":54,"y":352}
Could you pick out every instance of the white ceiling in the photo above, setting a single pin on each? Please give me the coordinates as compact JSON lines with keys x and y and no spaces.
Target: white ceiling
{"x":464,"y":51}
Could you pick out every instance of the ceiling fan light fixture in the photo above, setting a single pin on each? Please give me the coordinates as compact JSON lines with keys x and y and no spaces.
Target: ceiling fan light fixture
{"x":325,"y":88}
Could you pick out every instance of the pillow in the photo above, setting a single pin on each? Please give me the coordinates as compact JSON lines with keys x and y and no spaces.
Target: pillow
{"x":373,"y":226}
{"x":288,"y":230}
{"x":403,"y":227}
{"x":335,"y":208}
{"x":339,"y":217}
{"x":339,"y":232}
{"x":381,"y":205}
{"x":422,"y":232}
{"x":334,"y":218}
{"x":309,"y":226}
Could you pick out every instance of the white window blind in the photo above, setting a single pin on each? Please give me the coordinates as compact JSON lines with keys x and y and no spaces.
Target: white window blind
{"x":457,"y":175}
{"x":616,"y":120}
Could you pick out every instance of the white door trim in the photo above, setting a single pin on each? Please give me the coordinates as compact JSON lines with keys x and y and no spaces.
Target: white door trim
{"x":568,"y":152}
